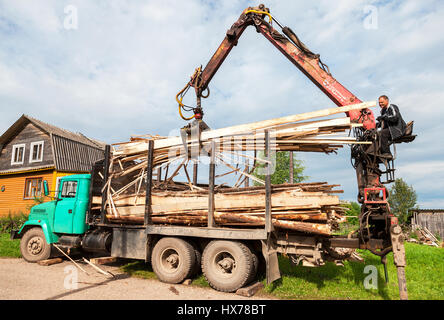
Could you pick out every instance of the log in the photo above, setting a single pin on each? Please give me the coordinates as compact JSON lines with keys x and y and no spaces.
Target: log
{"x":49,"y":262}
{"x":139,"y":147}
{"x":315,"y":228}
{"x":306,"y":207}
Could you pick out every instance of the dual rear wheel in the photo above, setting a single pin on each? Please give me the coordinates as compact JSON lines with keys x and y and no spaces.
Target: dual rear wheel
{"x":226,"y":265}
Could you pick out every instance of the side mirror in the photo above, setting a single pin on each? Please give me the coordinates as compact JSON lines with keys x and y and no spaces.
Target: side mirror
{"x":45,"y":188}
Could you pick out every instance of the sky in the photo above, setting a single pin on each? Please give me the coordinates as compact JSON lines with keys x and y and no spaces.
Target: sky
{"x":111,"y":69}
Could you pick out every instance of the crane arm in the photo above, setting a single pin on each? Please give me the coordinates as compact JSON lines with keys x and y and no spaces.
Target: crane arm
{"x":292,"y":48}
{"x":376,"y":221}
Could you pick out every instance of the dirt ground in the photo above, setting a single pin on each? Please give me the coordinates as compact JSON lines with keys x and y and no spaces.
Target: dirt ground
{"x":20,"y":280}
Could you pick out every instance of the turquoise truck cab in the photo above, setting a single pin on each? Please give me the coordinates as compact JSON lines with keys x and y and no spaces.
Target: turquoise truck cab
{"x":66,"y":215}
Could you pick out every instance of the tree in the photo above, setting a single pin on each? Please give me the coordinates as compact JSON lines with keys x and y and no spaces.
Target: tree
{"x":402,"y":198}
{"x":281,"y":166}
{"x":353,"y":209}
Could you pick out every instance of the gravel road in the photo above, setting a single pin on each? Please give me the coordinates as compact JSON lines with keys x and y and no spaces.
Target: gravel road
{"x":20,"y":280}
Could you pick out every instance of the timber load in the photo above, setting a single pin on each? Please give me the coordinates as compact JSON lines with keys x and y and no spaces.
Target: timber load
{"x":312,"y":208}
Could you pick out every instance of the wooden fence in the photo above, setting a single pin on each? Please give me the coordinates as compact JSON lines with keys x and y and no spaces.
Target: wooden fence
{"x":433,"y":220}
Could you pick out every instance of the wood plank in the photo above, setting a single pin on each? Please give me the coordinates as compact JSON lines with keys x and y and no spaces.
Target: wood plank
{"x":103,"y":260}
{"x":49,"y":262}
{"x":139,"y":147}
{"x":250,"y":290}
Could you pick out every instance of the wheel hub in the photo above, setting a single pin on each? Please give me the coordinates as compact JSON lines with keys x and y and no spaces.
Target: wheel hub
{"x":173,"y":260}
{"x":226,"y":264}
{"x":170,"y":260}
{"x":35,"y":245}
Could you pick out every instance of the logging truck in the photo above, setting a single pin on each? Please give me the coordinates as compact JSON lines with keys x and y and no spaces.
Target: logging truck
{"x":229,"y":257}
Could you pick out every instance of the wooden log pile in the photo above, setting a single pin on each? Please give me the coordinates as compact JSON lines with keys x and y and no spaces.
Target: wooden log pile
{"x":304,"y":207}
{"x":424,"y":236}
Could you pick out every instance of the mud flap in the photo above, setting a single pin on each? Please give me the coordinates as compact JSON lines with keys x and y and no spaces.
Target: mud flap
{"x":269,"y":252}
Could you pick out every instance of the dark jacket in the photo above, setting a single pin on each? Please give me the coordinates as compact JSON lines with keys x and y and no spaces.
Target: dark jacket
{"x":391,"y":118}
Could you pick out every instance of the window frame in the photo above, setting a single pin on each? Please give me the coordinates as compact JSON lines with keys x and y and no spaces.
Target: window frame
{"x":76,"y":182}
{"x":25,"y":193}
{"x":15,"y":147}
{"x":31,"y":151}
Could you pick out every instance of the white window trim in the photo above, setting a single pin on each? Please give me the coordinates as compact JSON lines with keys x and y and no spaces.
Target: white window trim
{"x":14,"y":149}
{"x":32,"y":151}
{"x":58,"y":186}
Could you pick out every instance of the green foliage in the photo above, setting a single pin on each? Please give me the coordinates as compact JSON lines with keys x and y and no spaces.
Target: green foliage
{"x":281,"y":169}
{"x":413,"y":235}
{"x":402,"y":198}
{"x":12,"y":222}
{"x":353,"y":209}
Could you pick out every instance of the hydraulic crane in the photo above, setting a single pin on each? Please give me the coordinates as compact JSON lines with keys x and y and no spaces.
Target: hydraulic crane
{"x":379,"y":231}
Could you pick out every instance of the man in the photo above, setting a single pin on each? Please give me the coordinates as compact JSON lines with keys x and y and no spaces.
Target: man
{"x":391,"y":123}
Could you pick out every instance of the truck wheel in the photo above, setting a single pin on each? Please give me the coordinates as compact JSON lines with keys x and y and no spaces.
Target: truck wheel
{"x":173,"y":260}
{"x":197,"y":265}
{"x":255,"y":267}
{"x":33,"y":246}
{"x":227,"y":265}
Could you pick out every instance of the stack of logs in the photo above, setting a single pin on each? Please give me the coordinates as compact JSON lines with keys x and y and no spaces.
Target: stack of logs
{"x":304,"y":207}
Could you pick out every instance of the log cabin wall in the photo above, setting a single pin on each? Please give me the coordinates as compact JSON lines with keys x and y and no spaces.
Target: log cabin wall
{"x":26,"y":137}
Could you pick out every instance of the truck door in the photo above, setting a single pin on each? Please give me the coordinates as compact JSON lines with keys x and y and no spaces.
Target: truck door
{"x":66,"y":207}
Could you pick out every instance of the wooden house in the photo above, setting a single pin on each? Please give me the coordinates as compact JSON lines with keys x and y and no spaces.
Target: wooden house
{"x":32,"y":151}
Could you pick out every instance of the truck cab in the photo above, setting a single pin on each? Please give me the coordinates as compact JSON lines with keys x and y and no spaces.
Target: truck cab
{"x":57,"y":220}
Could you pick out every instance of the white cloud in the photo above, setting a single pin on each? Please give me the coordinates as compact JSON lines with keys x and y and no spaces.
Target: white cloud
{"x":118,"y":73}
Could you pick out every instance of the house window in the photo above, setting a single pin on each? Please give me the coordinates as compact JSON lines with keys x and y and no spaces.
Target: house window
{"x":69,"y":189}
{"x":36,"y":154}
{"x":33,"y":188}
{"x":18,"y":154}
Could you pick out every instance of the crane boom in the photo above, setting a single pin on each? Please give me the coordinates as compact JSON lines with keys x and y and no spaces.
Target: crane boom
{"x":291,"y":47}
{"x":377,"y":224}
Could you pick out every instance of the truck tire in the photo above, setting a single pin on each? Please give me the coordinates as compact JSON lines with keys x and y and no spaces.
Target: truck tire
{"x":33,"y":245}
{"x":255,"y":267}
{"x":227,"y":265}
{"x":197,"y":269}
{"x":173,"y":260}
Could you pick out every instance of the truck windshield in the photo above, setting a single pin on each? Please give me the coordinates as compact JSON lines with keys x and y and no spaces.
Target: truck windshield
{"x":69,"y":189}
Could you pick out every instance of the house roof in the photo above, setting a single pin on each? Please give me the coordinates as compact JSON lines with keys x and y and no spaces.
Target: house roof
{"x":50,"y":129}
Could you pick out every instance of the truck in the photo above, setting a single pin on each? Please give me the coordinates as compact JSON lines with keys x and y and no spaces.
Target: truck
{"x":228,"y":257}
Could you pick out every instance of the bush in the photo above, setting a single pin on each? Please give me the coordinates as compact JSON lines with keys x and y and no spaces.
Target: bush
{"x":12,"y":222}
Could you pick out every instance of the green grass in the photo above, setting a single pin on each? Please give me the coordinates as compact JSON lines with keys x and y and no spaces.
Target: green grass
{"x":424,"y":272}
{"x":9,"y":248}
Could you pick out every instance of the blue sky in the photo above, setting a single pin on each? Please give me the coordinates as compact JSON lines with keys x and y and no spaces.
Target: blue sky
{"x":117,"y":73}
